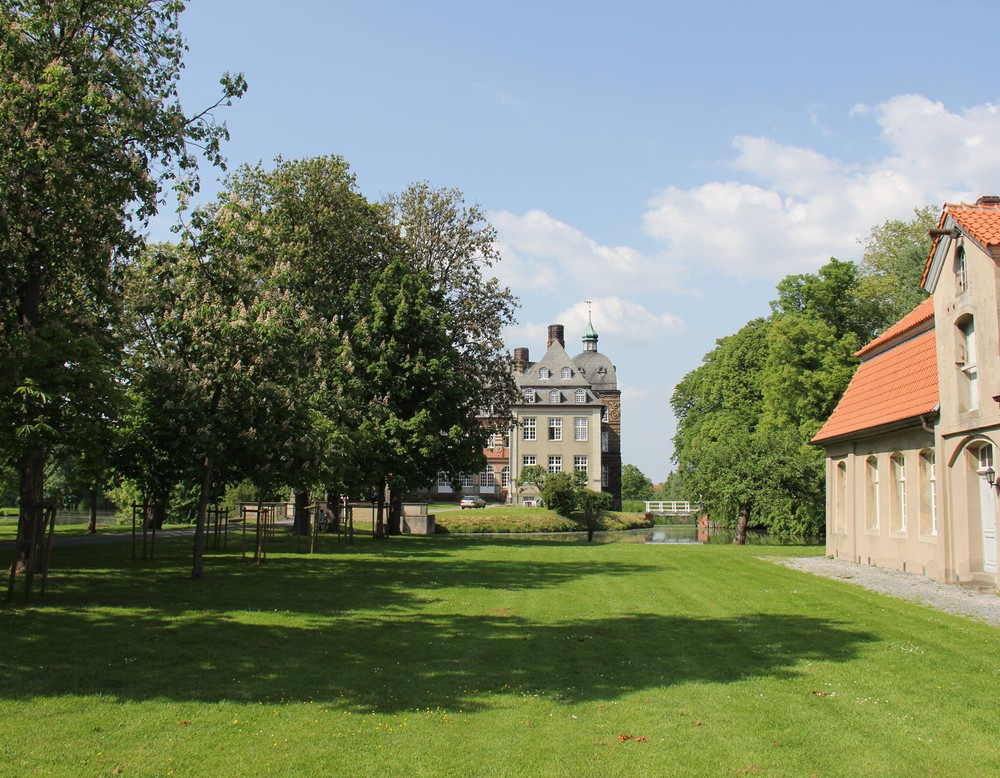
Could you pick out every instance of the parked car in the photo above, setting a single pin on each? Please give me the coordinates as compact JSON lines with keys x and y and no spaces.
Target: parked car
{"x":472,"y":501}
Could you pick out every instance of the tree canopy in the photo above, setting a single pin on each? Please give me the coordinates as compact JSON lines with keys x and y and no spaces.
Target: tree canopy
{"x":746,"y":414}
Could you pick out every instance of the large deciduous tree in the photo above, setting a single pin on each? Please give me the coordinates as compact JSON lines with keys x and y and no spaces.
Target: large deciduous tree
{"x":456,"y":246}
{"x":90,"y":125}
{"x":412,"y":406}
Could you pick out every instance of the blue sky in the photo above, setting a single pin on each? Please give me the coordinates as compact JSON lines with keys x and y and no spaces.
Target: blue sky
{"x":668,"y":161}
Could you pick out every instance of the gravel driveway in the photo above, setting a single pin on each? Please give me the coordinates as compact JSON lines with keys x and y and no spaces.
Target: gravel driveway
{"x":950,"y":598}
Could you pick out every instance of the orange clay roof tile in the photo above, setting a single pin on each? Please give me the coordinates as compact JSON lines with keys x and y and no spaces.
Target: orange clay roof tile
{"x":893,"y":386}
{"x":917,"y":316}
{"x":979,"y":220}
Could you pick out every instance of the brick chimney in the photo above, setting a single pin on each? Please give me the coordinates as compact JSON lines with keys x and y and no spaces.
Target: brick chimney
{"x":556,"y":332}
{"x":520,"y":360}
{"x":988,"y":200}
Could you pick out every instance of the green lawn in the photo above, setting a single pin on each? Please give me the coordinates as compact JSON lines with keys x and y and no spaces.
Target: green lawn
{"x":498,"y":657}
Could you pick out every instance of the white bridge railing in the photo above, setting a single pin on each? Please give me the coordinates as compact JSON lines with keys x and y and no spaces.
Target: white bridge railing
{"x":672,"y":507}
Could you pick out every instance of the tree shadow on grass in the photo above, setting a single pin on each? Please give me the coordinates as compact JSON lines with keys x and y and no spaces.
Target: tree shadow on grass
{"x":399,"y":576}
{"x":369,"y":629}
{"x":404,"y":662}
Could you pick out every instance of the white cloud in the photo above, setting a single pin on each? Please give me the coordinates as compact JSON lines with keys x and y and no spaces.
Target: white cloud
{"x":540,"y":252}
{"x":805,"y":207}
{"x":614,"y":318}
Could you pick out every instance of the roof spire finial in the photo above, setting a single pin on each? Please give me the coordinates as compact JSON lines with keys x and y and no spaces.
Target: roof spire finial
{"x":590,"y":336}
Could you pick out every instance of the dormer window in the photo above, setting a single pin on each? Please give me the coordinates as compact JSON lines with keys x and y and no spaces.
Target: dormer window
{"x":567,"y":373}
{"x":581,"y":395}
{"x":555,"y":396}
{"x":529,"y":395}
{"x":544,"y":374}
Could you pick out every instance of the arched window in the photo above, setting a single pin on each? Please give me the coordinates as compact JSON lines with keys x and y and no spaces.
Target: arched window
{"x":961,"y":272}
{"x":543,"y":373}
{"x":567,"y":372}
{"x":555,"y":396}
{"x":898,"y":516}
{"x":488,"y":478}
{"x":928,"y":494}
{"x":581,"y":395}
{"x":505,"y":476}
{"x":871,"y":494}
{"x":840,"y":497}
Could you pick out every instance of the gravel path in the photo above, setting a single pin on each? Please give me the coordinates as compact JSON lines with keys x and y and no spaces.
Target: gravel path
{"x":950,"y":598}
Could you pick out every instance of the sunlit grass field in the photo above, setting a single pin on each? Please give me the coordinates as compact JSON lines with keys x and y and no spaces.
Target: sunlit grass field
{"x":482,"y":656}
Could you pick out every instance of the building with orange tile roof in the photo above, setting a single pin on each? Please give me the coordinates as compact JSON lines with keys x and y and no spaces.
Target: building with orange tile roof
{"x":911,"y":483}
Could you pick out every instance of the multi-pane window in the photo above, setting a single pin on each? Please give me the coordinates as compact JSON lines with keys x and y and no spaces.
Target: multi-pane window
{"x":871,"y":493}
{"x":468,"y":481}
{"x":567,"y":372}
{"x":840,"y":498}
{"x":580,"y":462}
{"x":528,"y":430}
{"x":961,"y":272}
{"x":605,"y":475}
{"x":555,"y":428}
{"x":506,"y":439}
{"x":928,"y":494}
{"x":543,"y":373}
{"x":529,"y":395}
{"x":555,"y":464}
{"x":528,"y":460}
{"x":580,"y":428}
{"x":581,"y":395}
{"x":505,"y":477}
{"x":605,"y":440}
{"x":898,"y":517}
{"x":555,"y":396}
{"x":443,"y":479}
{"x":970,"y":398}
{"x":488,"y":478}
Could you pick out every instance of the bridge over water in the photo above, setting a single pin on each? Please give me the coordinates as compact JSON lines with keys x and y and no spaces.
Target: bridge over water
{"x":672,"y":507}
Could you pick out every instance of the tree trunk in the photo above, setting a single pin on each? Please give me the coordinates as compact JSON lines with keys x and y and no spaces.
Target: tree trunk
{"x":740,"y":536}
{"x":395,"y":523}
{"x":92,"y":497}
{"x":379,"y":504}
{"x":198,"y":566}
{"x":300,"y":525}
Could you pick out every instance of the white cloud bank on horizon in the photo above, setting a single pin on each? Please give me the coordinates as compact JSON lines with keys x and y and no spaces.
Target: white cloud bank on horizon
{"x":802,"y":208}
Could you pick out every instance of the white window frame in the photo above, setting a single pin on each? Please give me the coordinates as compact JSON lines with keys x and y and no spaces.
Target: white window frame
{"x":528,"y":460}
{"x":555,"y":428}
{"x":555,"y":463}
{"x":505,"y":477}
{"x":555,"y":396}
{"x":488,"y":478}
{"x":581,"y":395}
{"x":544,"y":374}
{"x":581,"y":462}
{"x":529,"y":430}
{"x":567,"y":372}
{"x":581,"y":428}
{"x":529,"y":395}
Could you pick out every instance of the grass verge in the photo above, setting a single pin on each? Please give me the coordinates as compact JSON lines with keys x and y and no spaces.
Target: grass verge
{"x":484,"y":656}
